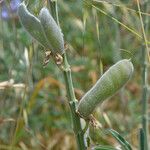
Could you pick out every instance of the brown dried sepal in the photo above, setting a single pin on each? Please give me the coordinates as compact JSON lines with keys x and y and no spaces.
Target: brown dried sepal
{"x":48,"y":54}
{"x":58,"y":59}
{"x":92,"y":121}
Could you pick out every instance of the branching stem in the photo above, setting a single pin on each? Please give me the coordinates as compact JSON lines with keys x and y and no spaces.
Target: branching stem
{"x":72,"y":102}
{"x":79,"y":134}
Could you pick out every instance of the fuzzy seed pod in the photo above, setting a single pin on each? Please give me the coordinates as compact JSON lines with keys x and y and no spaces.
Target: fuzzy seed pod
{"x":110,"y":82}
{"x":32,"y":24}
{"x":52,"y":31}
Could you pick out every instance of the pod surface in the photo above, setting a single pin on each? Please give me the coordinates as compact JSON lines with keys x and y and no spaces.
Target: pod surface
{"x":52,"y":31}
{"x":32,"y":24}
{"x":110,"y":82}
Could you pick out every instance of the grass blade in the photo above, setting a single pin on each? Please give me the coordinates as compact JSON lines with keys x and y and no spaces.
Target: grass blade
{"x":103,"y":147}
{"x":120,"y":139}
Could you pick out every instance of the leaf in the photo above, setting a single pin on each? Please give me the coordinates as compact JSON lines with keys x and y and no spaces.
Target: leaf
{"x":103,"y":147}
{"x":120,"y":139}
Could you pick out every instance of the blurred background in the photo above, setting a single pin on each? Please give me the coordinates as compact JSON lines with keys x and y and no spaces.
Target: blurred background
{"x":34,"y":113}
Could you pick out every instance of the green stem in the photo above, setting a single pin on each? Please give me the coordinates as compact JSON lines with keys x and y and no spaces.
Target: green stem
{"x":145,"y":57}
{"x":72,"y":102}
{"x":144,"y":98}
{"x":141,"y":139}
{"x":54,"y":10}
{"x":79,"y":134}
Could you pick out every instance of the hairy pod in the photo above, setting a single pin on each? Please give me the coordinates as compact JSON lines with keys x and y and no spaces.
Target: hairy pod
{"x":32,"y":24}
{"x":52,"y":31}
{"x":110,"y":82}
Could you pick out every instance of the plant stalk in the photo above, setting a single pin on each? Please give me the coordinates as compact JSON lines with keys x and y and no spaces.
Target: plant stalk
{"x":141,"y":139}
{"x":144,"y":98}
{"x":79,"y":133}
{"x":54,"y":10}
{"x":145,"y":58}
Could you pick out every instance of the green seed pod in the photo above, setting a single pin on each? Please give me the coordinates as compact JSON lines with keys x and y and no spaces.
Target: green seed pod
{"x":32,"y":24}
{"x":110,"y":82}
{"x":52,"y":31}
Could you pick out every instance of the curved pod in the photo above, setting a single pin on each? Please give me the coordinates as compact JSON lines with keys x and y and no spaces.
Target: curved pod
{"x":110,"y":82}
{"x":52,"y":31}
{"x":32,"y":24}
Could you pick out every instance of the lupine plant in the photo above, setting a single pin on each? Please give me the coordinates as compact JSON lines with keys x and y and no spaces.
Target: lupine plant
{"x":9,"y":11}
{"x":46,"y":30}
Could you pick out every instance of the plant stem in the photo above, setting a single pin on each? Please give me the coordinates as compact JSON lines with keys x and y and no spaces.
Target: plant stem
{"x":79,"y":134}
{"x":54,"y":10}
{"x":144,"y":99}
{"x":141,"y":139}
{"x":72,"y":102}
{"x":145,"y":58}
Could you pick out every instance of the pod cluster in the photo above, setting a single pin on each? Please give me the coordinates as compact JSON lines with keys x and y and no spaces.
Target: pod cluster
{"x":42,"y":28}
{"x":110,"y":82}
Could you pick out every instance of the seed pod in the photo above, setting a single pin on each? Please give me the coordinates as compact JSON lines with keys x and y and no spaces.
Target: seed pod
{"x":110,"y":82}
{"x":32,"y":24}
{"x":52,"y":31}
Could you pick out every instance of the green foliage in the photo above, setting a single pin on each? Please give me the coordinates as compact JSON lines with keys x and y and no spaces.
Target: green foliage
{"x":35,"y":115}
{"x":125,"y":145}
{"x":100,"y":147}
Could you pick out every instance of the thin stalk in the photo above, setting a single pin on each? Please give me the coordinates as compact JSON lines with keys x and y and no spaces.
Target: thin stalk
{"x":54,"y":10}
{"x":79,"y":134}
{"x":145,"y":58}
{"x":141,"y":139}
{"x":72,"y":103}
{"x":144,"y":99}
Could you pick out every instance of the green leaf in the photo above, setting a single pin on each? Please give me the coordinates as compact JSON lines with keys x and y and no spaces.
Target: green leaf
{"x":103,"y":147}
{"x":120,"y":139}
